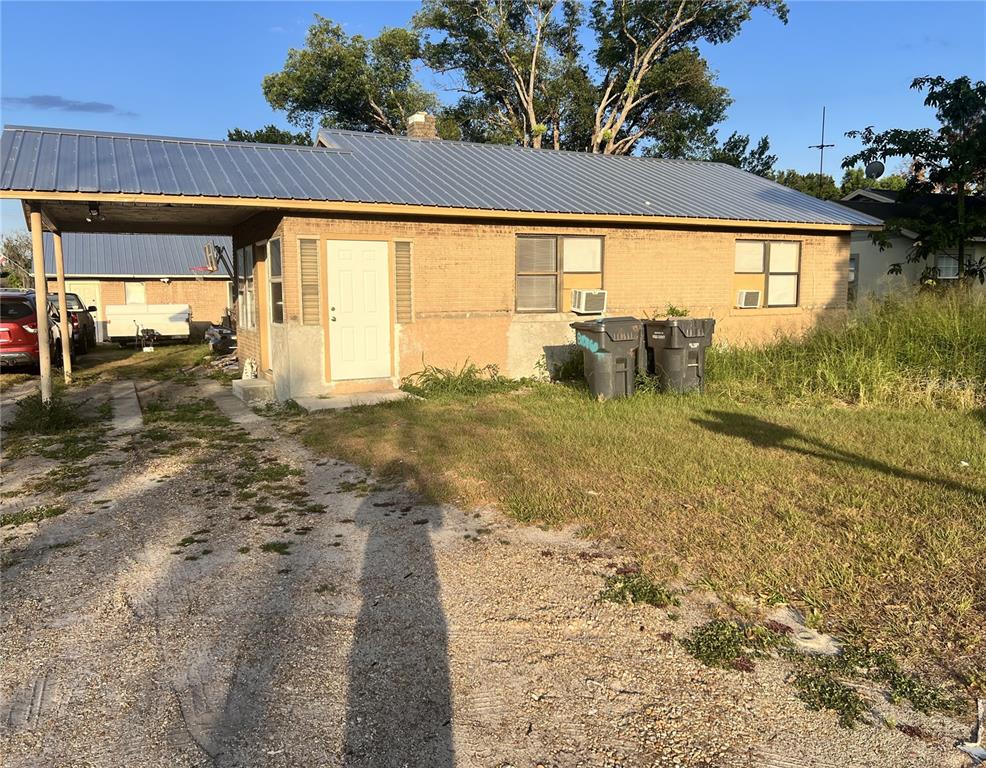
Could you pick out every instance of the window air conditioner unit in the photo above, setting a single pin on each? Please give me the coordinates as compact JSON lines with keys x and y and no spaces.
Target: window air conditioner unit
{"x":588,"y":302}
{"x":748,"y":299}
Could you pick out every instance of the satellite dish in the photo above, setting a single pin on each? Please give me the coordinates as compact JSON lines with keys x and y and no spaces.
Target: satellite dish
{"x":874,"y":170}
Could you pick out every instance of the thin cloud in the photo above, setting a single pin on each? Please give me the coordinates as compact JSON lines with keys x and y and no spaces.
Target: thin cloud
{"x":48,"y":102}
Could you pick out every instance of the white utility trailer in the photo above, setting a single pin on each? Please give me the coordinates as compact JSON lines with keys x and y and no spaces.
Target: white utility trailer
{"x":126,"y":323}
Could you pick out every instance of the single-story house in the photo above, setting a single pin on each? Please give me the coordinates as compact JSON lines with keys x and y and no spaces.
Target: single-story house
{"x":366,"y":256}
{"x":868,"y":265}
{"x":112,"y":269}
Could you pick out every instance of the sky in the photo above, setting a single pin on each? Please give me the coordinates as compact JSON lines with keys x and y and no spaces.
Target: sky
{"x":194,"y":69}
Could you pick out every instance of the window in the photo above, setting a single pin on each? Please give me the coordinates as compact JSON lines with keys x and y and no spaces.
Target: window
{"x":544,"y":264}
{"x":135,"y":293}
{"x":245,"y":292}
{"x":308,"y":261}
{"x":779,"y":264}
{"x":947,"y":265}
{"x":402,"y":282}
{"x":276,"y":280}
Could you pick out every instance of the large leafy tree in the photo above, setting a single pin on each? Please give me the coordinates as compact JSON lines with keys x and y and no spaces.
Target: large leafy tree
{"x":947,"y":161}
{"x":636,"y":39}
{"x":525,"y":74}
{"x":269,"y":134}
{"x":820,"y":185}
{"x":353,"y":82}
{"x":735,"y":150}
{"x":855,"y":178}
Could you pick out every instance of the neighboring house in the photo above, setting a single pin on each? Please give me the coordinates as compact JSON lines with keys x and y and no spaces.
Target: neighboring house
{"x":365,"y":257}
{"x":112,"y":269}
{"x":868,"y":265}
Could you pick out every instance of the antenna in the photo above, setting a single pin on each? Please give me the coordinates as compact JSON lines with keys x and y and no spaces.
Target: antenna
{"x":821,"y":147}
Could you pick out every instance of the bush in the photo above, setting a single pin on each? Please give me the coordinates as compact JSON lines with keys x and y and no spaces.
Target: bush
{"x":33,"y":417}
{"x":915,"y":349}
{"x":469,"y":380}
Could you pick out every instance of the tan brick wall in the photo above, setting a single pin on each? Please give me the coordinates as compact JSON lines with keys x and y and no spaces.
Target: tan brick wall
{"x":463,"y":279}
{"x":207,"y":298}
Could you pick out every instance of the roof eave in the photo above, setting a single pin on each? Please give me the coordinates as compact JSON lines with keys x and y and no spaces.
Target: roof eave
{"x":341,"y":206}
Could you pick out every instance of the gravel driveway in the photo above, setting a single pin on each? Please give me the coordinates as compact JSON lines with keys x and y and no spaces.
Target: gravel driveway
{"x":330,"y":620}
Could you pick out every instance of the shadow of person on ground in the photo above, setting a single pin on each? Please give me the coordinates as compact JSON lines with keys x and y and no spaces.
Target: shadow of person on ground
{"x":399,"y":709}
{"x":766,"y":434}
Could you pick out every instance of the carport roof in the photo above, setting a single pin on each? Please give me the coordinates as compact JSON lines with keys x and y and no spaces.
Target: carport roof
{"x":124,"y":255}
{"x":373,"y":169}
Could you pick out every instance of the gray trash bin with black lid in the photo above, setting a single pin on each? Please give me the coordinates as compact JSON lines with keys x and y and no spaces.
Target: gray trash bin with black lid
{"x":610,"y":346}
{"x":675,"y":351}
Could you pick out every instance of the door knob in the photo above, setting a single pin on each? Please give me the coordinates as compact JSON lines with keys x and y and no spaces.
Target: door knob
{"x":333,"y":318}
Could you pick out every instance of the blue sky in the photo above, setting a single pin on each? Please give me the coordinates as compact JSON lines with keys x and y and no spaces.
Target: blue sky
{"x":194,"y":69}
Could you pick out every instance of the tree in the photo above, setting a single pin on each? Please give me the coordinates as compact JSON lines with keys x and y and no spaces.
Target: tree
{"x":15,"y":260}
{"x":525,"y":73}
{"x":949,"y":161}
{"x":855,"y":178}
{"x":634,"y":39}
{"x":736,"y":151}
{"x":518,"y":61}
{"x":269,"y":134}
{"x":817,"y":185}
{"x":350,"y":82}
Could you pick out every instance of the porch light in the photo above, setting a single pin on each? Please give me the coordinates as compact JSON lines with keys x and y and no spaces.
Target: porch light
{"x":93,"y":212}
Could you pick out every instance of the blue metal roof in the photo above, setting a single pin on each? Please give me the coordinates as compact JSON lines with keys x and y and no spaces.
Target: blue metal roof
{"x":114,"y":255}
{"x":374,"y":168}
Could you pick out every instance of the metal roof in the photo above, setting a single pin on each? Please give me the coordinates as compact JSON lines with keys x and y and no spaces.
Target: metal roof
{"x":131,"y":255}
{"x":374,"y":168}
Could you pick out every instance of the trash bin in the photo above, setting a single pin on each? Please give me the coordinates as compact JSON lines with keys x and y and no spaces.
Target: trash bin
{"x":674,"y":351}
{"x":610,"y":347}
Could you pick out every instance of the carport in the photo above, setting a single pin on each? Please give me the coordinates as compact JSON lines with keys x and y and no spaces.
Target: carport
{"x":78,"y":181}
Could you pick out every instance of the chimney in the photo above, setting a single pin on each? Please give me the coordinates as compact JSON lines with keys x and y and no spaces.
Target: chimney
{"x":421,"y":125}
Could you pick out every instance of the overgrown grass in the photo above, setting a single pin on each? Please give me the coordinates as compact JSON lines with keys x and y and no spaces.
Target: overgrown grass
{"x":866,"y":518}
{"x":926,"y":349}
{"x":468,"y":381}
{"x":33,"y":417}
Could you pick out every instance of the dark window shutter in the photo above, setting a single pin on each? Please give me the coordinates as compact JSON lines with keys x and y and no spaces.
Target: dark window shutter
{"x":402,"y":282}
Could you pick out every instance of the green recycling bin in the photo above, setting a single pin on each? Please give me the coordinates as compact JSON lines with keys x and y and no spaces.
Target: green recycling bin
{"x":610,"y":349}
{"x":674,"y":351}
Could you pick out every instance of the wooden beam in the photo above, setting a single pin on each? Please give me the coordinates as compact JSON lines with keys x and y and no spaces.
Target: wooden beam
{"x":392,"y":209}
{"x":41,"y":304}
{"x":63,"y":321}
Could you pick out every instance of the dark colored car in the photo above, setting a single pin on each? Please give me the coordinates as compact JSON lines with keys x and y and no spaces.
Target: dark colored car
{"x":83,"y":324}
{"x":19,"y":329}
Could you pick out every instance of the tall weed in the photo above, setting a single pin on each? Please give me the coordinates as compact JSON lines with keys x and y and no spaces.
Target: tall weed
{"x":916,"y":349}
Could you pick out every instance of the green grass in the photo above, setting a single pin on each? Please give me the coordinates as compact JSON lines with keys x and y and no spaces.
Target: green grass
{"x":33,"y":515}
{"x":280,"y":547}
{"x":168,"y":362}
{"x":909,"y":350}
{"x":468,"y":381}
{"x":637,"y":587}
{"x":864,"y":517}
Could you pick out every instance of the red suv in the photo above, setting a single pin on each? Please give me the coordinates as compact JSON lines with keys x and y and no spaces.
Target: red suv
{"x":19,"y":329}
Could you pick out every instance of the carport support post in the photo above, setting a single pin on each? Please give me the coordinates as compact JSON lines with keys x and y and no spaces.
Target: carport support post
{"x":63,"y":324}
{"x":41,"y":301}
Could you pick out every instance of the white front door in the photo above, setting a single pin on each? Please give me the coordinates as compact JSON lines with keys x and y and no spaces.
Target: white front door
{"x":359,"y":309}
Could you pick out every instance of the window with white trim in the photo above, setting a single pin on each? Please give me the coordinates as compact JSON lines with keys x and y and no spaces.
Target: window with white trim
{"x":947,"y":266}
{"x":276,"y":280}
{"x":135,"y":293}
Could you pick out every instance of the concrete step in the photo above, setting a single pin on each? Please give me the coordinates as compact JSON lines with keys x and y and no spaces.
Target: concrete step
{"x":254,"y":391}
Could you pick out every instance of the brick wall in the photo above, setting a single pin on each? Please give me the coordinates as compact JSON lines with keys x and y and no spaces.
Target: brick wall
{"x":464,"y":271}
{"x":207,"y":298}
